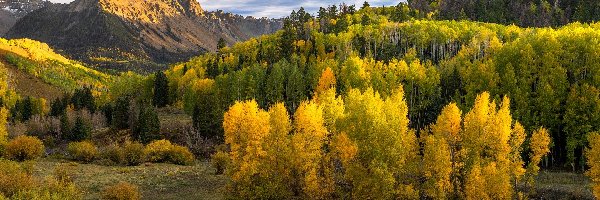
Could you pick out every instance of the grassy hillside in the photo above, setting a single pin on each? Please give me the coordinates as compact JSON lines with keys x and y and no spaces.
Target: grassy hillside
{"x":36,"y":70}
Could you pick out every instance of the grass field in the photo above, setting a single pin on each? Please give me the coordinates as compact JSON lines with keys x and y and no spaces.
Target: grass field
{"x":156,"y":181}
{"x":166,"y":181}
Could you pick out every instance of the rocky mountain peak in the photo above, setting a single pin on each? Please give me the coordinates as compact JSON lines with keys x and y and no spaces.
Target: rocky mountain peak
{"x":153,"y":11}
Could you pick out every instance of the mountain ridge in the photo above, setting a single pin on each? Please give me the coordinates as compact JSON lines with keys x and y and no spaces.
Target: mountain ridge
{"x":126,"y":34}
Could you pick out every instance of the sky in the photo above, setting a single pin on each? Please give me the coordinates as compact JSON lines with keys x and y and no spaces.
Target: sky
{"x":275,"y":8}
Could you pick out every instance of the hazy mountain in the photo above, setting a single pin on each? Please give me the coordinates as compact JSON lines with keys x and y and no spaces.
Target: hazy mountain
{"x":12,"y":10}
{"x":123,"y":34}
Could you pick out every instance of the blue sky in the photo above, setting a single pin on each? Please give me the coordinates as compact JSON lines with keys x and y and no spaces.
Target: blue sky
{"x":275,"y":8}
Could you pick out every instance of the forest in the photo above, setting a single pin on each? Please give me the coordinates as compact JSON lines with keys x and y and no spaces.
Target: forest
{"x":414,"y":101}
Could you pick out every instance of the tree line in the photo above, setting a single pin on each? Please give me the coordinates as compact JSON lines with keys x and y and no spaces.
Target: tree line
{"x":550,"y":74}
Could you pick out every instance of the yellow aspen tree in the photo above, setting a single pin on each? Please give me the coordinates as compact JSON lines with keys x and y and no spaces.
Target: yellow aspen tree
{"x":516,"y":145}
{"x":475,"y":127}
{"x":276,"y":167}
{"x":437,"y":167}
{"x":344,"y":148}
{"x":448,"y":126}
{"x":539,"y":144}
{"x":474,"y":185}
{"x":246,"y":126}
{"x":497,"y":172}
{"x":333,"y":108}
{"x":486,"y":146}
{"x":309,"y":137}
{"x":474,"y":134}
{"x":326,"y":81}
{"x":385,"y":146}
{"x":593,"y":160}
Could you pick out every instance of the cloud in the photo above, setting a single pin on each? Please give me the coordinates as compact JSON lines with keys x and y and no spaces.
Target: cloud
{"x":275,"y":8}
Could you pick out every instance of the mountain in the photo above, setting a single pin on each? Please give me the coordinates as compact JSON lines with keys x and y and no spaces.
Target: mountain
{"x":141,"y":35}
{"x":12,"y":10}
{"x":7,"y":20}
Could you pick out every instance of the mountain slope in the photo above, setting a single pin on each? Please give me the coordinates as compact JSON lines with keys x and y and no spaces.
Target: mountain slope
{"x":7,"y":20}
{"x":128,"y":33}
{"x":36,"y":70}
{"x":12,"y":10}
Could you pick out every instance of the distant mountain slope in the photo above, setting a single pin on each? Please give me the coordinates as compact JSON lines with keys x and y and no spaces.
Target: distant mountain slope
{"x":125,"y":34}
{"x":36,"y":70}
{"x":12,"y":10}
{"x":7,"y":20}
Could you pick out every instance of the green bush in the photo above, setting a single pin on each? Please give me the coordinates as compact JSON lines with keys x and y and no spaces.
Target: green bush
{"x":121,"y":191}
{"x":24,"y":148}
{"x":82,"y":151}
{"x":134,"y":153}
{"x":219,"y":161}
{"x":164,"y":151}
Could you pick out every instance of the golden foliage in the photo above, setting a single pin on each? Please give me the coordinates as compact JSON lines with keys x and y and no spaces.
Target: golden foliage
{"x":539,"y":145}
{"x":437,"y":167}
{"x":158,"y":151}
{"x":164,"y":151}
{"x":220,"y":161}
{"x":133,"y":153}
{"x":18,"y":182}
{"x":308,"y":139}
{"x":516,"y":141}
{"x":82,"y":151}
{"x":246,"y":127}
{"x":326,"y":81}
{"x":448,"y":124}
{"x":121,"y":191}
{"x":24,"y":148}
{"x":333,"y":108}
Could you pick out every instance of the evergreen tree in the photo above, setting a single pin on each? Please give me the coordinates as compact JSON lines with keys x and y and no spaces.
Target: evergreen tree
{"x":161,"y":90}
{"x":84,"y":99}
{"x":107,"y":110}
{"x":65,"y":126}
{"x":203,"y":117}
{"x":121,"y":113}
{"x":275,"y":83}
{"x":27,"y":109}
{"x":57,"y":108}
{"x":365,"y":5}
{"x":147,"y":128}
{"x":81,"y":130}
{"x":221,"y":44}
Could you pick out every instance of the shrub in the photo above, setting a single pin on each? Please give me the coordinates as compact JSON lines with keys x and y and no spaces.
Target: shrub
{"x":50,"y":188}
{"x":134,"y":153}
{"x":219,"y":161}
{"x":180,"y":156}
{"x":158,"y":151}
{"x":121,"y":191}
{"x":24,"y":148}
{"x":82,"y":151}
{"x":3,"y":144}
{"x":14,"y":178}
{"x":17,"y":182}
{"x":164,"y":151}
{"x":114,"y":153}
